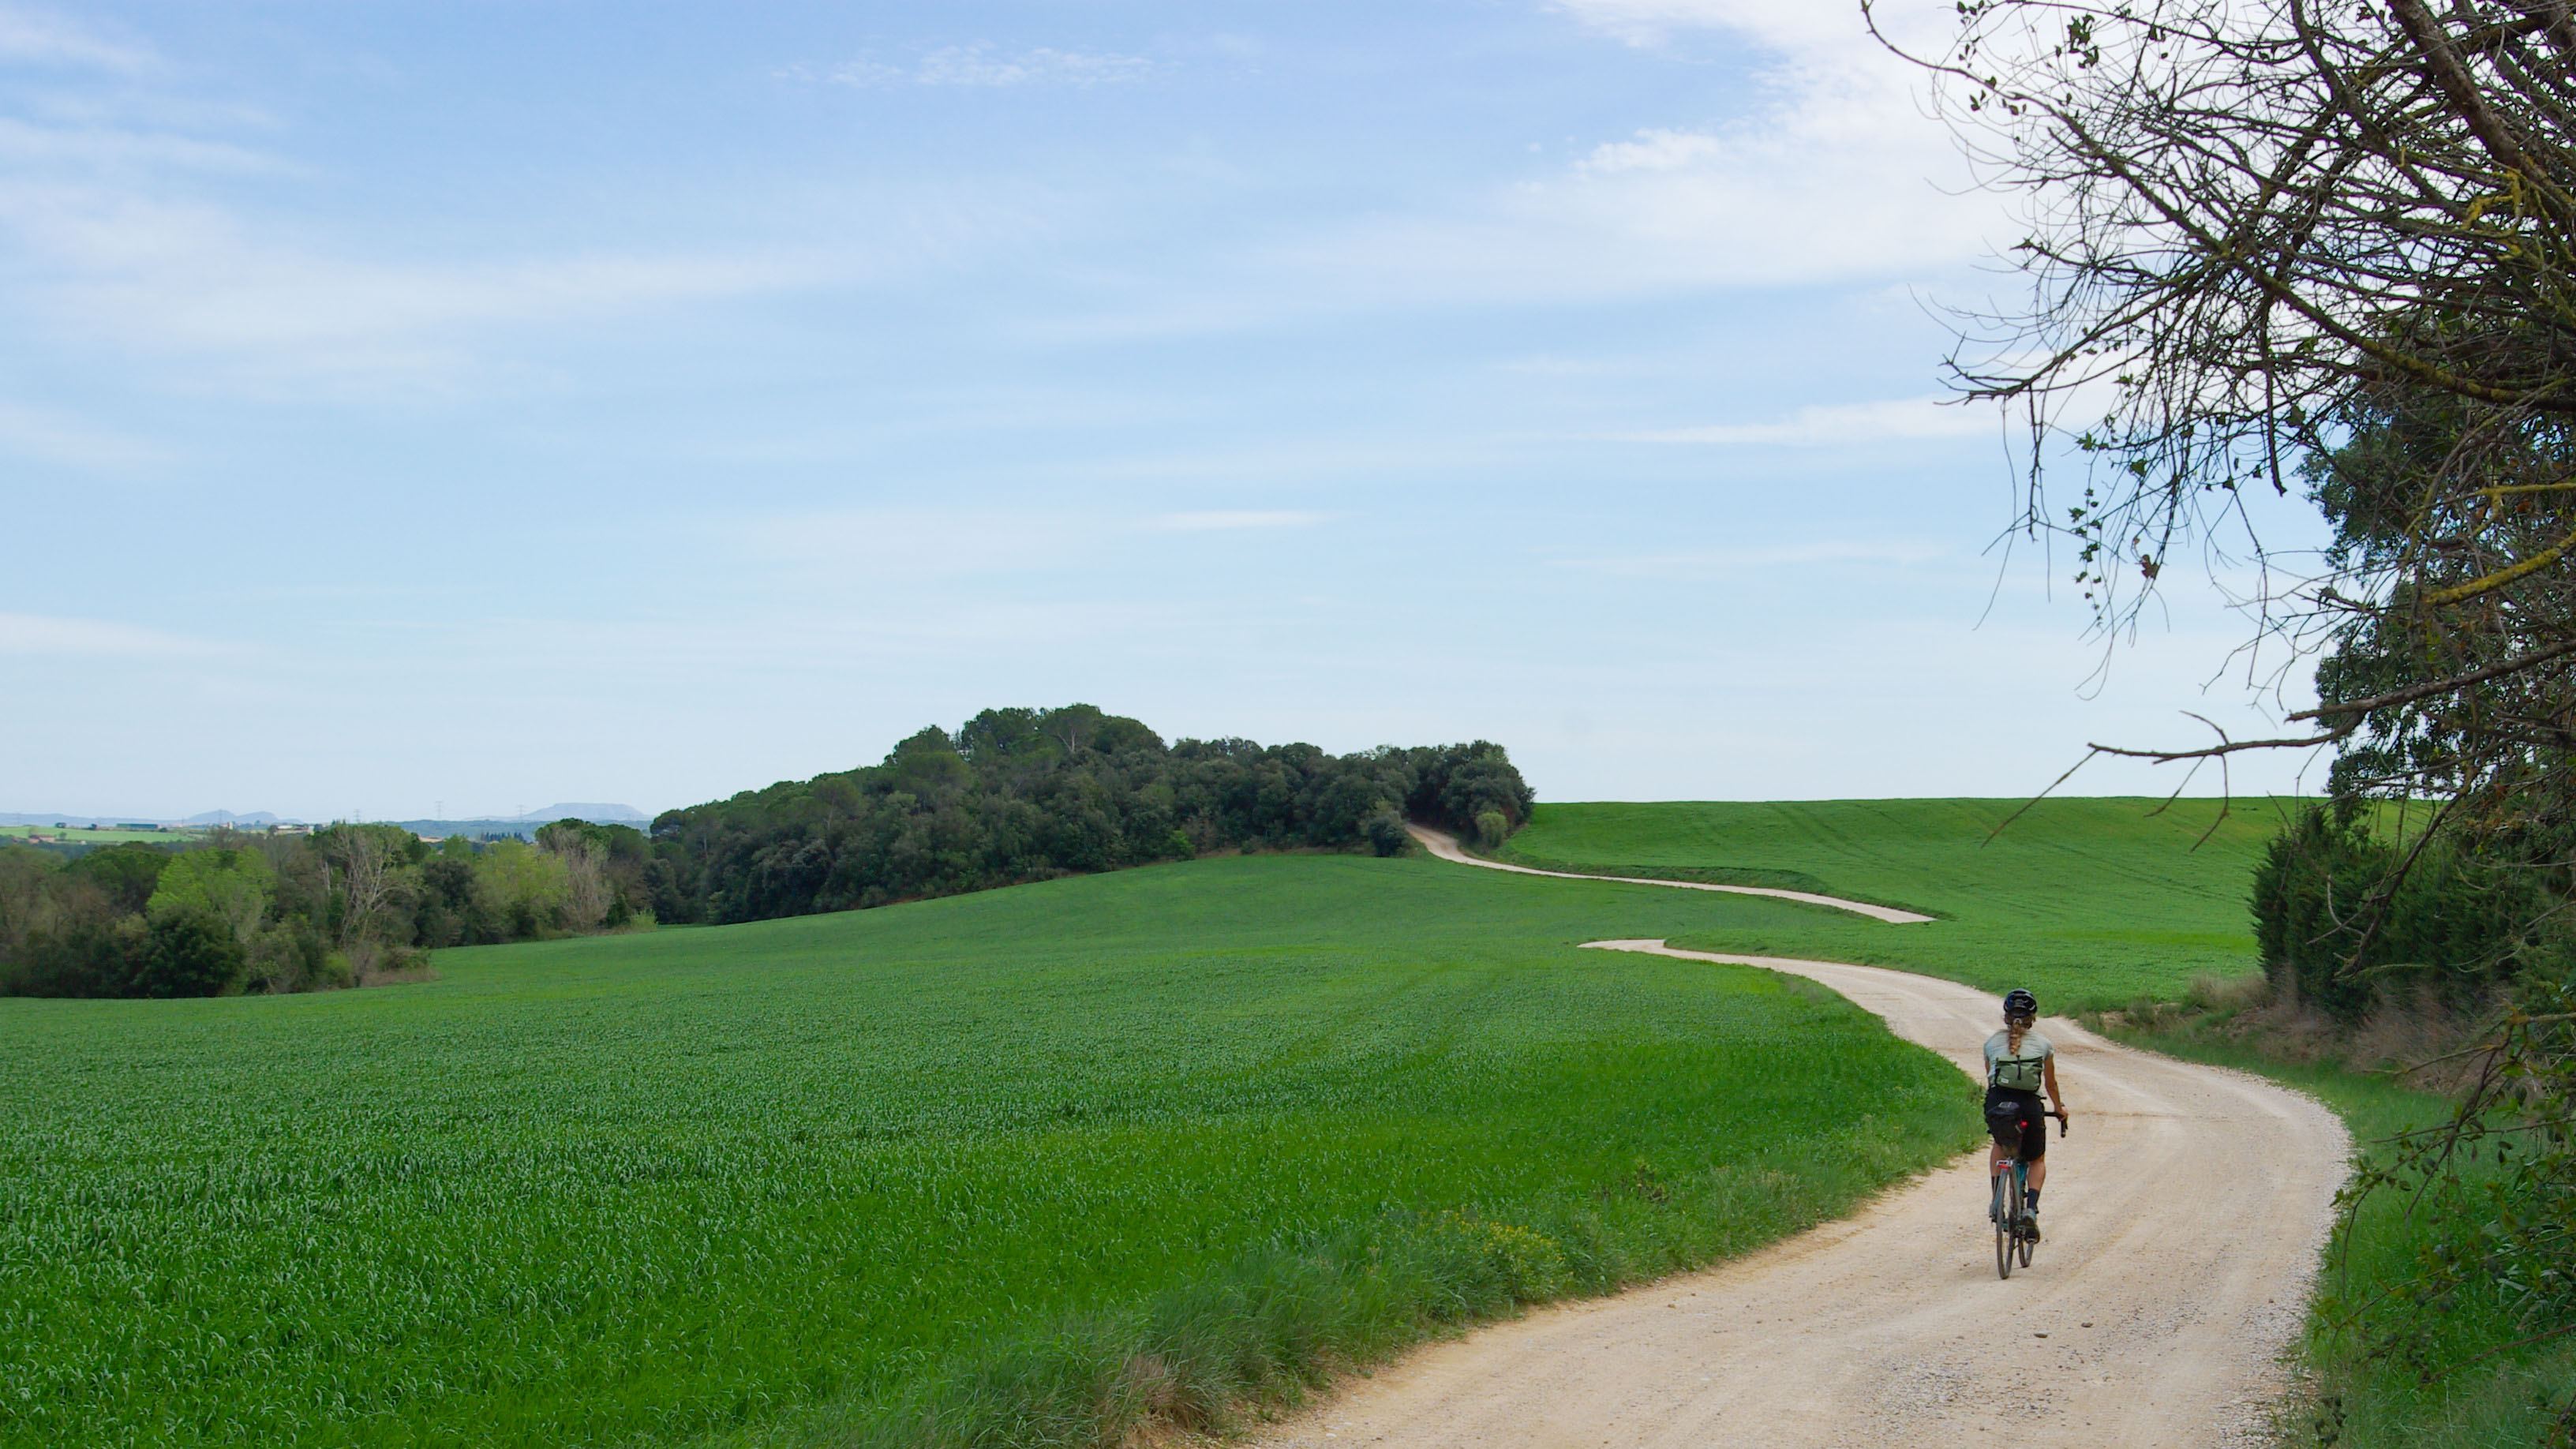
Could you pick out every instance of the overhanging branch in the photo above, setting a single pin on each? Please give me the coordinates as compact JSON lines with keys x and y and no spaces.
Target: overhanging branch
{"x":2414,"y":692}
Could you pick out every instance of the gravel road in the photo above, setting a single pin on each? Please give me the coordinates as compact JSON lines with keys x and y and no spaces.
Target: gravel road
{"x":1446,"y":846}
{"x":2185,"y":1215}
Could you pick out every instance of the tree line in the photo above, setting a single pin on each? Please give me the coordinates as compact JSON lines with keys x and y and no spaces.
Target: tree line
{"x":1017,"y":795}
{"x":350,"y":905}
{"x":1012,"y":795}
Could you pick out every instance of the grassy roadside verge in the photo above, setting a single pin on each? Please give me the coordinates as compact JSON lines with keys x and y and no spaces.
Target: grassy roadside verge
{"x":2469,"y":1389}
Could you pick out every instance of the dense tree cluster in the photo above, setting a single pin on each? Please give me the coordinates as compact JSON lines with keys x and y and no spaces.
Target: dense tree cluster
{"x":1027,"y":794}
{"x":343,"y":906}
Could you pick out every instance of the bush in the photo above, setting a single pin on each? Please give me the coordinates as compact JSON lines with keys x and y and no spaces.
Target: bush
{"x":290,"y":956}
{"x":101,"y":958}
{"x":193,"y":953}
{"x":373,"y":963}
{"x":2345,"y":922}
{"x":1385,"y":833}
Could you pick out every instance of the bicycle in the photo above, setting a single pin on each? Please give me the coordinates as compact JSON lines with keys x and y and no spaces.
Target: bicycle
{"x":2013,"y":1236}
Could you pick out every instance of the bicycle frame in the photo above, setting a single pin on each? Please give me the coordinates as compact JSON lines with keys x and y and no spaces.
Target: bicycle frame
{"x":2011,"y":1190}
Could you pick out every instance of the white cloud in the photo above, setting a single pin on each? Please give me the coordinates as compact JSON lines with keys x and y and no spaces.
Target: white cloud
{"x":111,"y":237}
{"x":119,"y":264}
{"x":1237,"y":518}
{"x":28,"y":37}
{"x":1838,"y":424}
{"x":978,"y":65}
{"x":97,"y":639}
{"x":862,"y":545}
{"x":1654,"y":151}
{"x":1780,"y":24}
{"x":35,"y":433}
{"x":1831,"y":174}
{"x":1709,"y":562}
{"x":24,"y":144}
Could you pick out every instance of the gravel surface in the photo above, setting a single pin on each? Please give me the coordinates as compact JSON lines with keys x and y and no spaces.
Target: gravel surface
{"x":2185,"y":1214}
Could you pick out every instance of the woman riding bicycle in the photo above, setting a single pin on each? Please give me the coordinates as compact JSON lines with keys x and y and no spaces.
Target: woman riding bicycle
{"x":2019,"y":1062}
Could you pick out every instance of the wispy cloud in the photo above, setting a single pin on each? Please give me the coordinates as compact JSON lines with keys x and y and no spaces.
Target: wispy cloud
{"x":36,"y":433}
{"x":862,"y":545}
{"x":1707,"y":562}
{"x":40,"y":634}
{"x":1785,"y":24}
{"x":103,"y":146}
{"x":980,"y":64}
{"x":1833,"y":175}
{"x":30,"y":37}
{"x":111,"y":234}
{"x":1837,"y":425}
{"x":1653,"y":150}
{"x":120,"y":263}
{"x":1237,"y":518}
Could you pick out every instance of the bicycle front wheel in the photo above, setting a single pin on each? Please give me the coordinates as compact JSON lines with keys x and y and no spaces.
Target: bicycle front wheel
{"x":2007,"y":1213}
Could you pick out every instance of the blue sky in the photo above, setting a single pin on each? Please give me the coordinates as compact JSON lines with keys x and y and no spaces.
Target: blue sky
{"x":489,"y":404}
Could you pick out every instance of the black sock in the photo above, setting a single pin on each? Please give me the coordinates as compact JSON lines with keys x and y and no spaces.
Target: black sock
{"x":2030,"y":1199}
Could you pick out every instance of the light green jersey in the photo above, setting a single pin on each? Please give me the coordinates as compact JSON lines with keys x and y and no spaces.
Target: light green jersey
{"x":2022,"y":1073}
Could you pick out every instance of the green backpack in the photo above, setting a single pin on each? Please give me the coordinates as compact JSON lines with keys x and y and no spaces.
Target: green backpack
{"x":2018,"y":1074}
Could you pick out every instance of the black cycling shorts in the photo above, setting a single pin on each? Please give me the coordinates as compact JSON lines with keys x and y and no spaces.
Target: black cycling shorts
{"x":2019,"y":1122}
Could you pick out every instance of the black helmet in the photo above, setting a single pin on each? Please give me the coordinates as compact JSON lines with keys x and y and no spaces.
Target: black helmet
{"x":2018,"y":1002}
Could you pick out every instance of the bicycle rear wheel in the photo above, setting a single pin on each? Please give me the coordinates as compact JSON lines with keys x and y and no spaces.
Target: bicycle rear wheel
{"x":2007,"y":1214}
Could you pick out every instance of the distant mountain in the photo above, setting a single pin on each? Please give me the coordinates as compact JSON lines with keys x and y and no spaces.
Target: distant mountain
{"x":490,"y":827}
{"x":524,"y":827}
{"x":88,"y":817}
{"x":593,"y":812}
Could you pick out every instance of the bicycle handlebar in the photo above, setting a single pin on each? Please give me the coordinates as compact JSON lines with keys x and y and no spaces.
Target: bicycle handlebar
{"x":2065,"y":1124}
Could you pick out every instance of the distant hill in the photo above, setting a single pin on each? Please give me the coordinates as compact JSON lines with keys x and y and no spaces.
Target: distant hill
{"x":84,"y":817}
{"x":524,"y":827}
{"x":593,"y":812}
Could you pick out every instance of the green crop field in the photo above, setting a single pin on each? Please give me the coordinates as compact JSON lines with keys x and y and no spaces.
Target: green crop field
{"x":82,"y":835}
{"x":1226,"y":1120}
{"x":2090,"y":902}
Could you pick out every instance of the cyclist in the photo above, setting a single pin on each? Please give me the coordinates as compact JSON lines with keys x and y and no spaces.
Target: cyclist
{"x":2019,"y":1062}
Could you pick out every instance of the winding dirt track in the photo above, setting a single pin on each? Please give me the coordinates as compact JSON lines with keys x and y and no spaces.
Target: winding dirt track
{"x":1446,"y":847}
{"x":2185,"y":1214}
